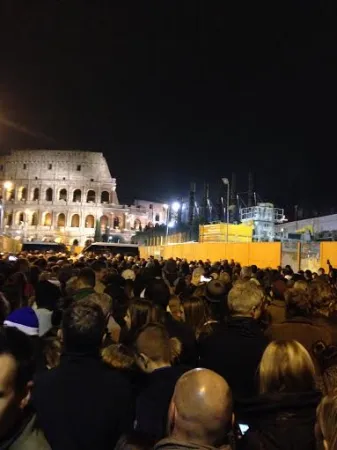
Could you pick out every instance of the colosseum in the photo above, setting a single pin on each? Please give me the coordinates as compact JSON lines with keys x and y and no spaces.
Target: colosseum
{"x":59,"y":195}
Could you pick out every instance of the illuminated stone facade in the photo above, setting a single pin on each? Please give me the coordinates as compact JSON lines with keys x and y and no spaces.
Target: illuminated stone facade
{"x":58,"y":195}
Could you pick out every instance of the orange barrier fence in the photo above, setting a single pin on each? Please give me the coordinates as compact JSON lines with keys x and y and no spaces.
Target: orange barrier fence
{"x":312,"y":255}
{"x":9,"y":245}
{"x":263,"y":254}
{"x":328,"y":252}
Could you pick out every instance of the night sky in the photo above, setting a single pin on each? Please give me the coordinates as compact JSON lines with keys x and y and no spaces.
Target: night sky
{"x":172,"y":92}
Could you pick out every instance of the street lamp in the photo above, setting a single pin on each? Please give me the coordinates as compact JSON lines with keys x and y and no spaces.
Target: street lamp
{"x":226,"y":183}
{"x":8,"y":185}
{"x":175,"y":206}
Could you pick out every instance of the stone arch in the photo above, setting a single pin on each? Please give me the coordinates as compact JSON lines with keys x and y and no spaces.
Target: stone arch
{"x":104,"y":221}
{"x":75,"y":221}
{"x":9,"y":219}
{"x":34,"y":219}
{"x":23,"y":193}
{"x":10,"y":193}
{"x":75,"y":242}
{"x":137,"y":225}
{"x":116,"y":222}
{"x":63,"y":194}
{"x":20,"y":217}
{"x":91,"y":196}
{"x":61,"y":220}
{"x":90,"y":221}
{"x":77,"y":195}
{"x":105,"y":197}
{"x":36,"y":194}
{"x":47,"y":219}
{"x":49,"y":195}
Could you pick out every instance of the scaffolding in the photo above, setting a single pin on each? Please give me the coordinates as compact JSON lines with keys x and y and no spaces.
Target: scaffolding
{"x":263,"y":217}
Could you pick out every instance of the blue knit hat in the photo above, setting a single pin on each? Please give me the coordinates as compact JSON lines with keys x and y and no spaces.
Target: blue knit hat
{"x":25,"y":320}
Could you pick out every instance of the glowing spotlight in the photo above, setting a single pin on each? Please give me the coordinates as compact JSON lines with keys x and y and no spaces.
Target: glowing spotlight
{"x":175,"y":207}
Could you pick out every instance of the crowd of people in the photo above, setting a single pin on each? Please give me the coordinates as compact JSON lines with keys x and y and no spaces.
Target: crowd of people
{"x":108,"y":351}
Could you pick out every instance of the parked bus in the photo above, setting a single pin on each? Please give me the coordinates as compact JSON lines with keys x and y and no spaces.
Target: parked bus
{"x":41,"y":246}
{"x":100,"y":248}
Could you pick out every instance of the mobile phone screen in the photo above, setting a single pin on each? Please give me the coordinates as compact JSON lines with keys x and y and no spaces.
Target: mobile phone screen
{"x":243,"y":428}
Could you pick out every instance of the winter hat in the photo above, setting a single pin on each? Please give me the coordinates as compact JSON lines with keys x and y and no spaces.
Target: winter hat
{"x":25,"y":320}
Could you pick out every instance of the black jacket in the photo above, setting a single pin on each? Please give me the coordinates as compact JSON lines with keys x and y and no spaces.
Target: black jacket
{"x":82,"y":404}
{"x":154,"y":399}
{"x":282,"y":421}
{"x":234,"y":351}
{"x":186,"y":336}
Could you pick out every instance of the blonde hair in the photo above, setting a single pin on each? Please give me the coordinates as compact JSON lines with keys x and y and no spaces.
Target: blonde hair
{"x":301,"y":285}
{"x":286,"y":366}
{"x":118,"y":356}
{"x":327,"y":419}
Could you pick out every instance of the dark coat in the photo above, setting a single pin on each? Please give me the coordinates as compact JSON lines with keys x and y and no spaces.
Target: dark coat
{"x":234,"y":352}
{"x":280,"y":421}
{"x":174,"y":444}
{"x":82,"y":404}
{"x":154,"y":399}
{"x":301,"y":329}
{"x":186,"y":336}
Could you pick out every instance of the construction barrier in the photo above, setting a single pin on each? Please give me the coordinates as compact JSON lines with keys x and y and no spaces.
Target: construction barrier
{"x":328,"y":252}
{"x":263,"y":254}
{"x":9,"y":245}
{"x":303,"y":256}
{"x":217,"y":232}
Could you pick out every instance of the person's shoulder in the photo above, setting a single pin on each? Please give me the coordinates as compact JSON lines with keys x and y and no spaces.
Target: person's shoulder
{"x":32,"y":438}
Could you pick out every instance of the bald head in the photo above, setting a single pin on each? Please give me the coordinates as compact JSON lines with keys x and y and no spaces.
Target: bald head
{"x":201,"y":407}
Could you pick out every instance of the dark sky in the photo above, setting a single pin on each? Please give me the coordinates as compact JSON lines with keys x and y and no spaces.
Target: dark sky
{"x":179,"y":91}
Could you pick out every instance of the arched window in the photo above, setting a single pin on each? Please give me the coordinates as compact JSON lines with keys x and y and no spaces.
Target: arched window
{"x":137,"y":225}
{"x":90,"y":221}
{"x":36,"y":194}
{"x":21,"y":218}
{"x":75,"y":220}
{"x":91,"y":196}
{"x":11,"y":194}
{"x":77,"y":195}
{"x":116,"y":222}
{"x":157,"y":218}
{"x":104,"y":222}
{"x":47,"y":220}
{"x":34,"y":221}
{"x":105,"y":197}
{"x":61,"y":220}
{"x":23,"y":194}
{"x":63,"y":194}
{"x":49,"y":195}
{"x":75,"y":242}
{"x":9,"y":219}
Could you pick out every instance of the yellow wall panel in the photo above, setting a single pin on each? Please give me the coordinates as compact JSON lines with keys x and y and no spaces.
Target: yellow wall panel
{"x":328,"y":251}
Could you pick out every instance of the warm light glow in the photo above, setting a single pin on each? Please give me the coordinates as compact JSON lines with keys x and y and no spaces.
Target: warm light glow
{"x":165,"y":206}
{"x":8,"y":184}
{"x":175,"y":206}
